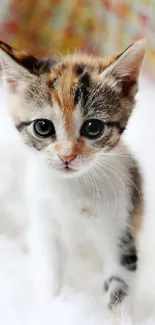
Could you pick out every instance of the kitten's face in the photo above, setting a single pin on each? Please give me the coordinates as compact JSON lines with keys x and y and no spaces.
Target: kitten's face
{"x":71,"y":110}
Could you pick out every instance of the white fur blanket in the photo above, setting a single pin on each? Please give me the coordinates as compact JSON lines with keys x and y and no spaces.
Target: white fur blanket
{"x":72,"y":308}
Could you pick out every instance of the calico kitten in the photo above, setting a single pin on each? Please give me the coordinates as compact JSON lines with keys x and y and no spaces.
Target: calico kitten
{"x":82,"y":183}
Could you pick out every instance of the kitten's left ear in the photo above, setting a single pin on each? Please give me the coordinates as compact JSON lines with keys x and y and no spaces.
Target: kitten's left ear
{"x":127,"y":66}
{"x":17,"y":67}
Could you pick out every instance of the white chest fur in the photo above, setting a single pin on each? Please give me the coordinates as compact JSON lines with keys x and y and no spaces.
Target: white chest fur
{"x":79,"y":222}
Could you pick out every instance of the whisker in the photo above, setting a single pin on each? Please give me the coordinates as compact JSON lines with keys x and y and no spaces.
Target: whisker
{"x":131,"y":181}
{"x":87,"y":181}
{"x":97,"y":192}
{"x":102,"y":187}
{"x":113,"y":154}
{"x":110,"y":183}
{"x":93,"y":192}
{"x":114,"y":172}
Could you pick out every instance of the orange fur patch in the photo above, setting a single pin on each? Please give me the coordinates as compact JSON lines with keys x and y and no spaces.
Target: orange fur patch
{"x":62,"y":94}
{"x":77,"y":147}
{"x":67,"y":82}
{"x":55,"y":95}
{"x":80,"y":147}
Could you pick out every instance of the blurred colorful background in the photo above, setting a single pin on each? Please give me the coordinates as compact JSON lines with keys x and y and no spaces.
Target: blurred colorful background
{"x":46,"y":27}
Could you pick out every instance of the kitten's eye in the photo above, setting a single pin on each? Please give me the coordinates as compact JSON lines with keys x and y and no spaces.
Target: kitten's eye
{"x":92,"y":129}
{"x":44,"y":128}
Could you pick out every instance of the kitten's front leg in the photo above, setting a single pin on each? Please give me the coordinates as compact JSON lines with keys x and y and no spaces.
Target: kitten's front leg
{"x":44,"y":254}
{"x":120,"y":273}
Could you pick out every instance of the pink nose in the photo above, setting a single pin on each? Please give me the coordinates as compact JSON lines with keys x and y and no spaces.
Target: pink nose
{"x":67,"y":159}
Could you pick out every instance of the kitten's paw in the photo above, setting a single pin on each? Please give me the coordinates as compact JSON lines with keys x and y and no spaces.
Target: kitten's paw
{"x":115,"y":290}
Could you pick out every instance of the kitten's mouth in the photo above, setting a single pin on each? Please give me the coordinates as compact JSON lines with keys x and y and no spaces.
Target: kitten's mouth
{"x":68,"y":169}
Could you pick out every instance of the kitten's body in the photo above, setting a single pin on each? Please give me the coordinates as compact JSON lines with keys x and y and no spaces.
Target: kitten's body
{"x":82,"y":184}
{"x":86,"y":230}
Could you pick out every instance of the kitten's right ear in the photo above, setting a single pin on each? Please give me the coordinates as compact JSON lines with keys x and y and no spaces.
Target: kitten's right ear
{"x":17,"y":67}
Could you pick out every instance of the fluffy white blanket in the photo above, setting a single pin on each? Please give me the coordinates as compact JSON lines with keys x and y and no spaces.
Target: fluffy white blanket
{"x":16,"y":305}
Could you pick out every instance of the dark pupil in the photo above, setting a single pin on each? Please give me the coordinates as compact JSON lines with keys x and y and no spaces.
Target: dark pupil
{"x":44,"y":128}
{"x":92,"y":128}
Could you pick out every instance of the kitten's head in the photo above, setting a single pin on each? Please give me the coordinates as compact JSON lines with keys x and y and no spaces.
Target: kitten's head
{"x":71,"y":109}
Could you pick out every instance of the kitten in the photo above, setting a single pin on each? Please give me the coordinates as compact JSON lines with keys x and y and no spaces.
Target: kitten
{"x":82,"y":183}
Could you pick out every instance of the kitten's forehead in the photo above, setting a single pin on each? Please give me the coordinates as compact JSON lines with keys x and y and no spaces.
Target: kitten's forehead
{"x":61,"y":81}
{"x":74,"y":66}
{"x":73,"y":81}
